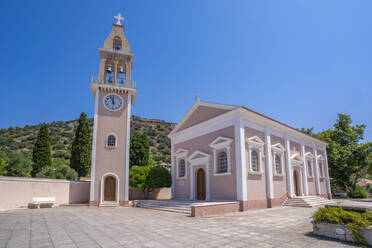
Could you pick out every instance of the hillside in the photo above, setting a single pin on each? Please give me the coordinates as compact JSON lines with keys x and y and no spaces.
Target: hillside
{"x":62,"y":134}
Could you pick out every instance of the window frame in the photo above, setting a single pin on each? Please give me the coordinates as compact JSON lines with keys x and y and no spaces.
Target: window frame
{"x":181,"y":154}
{"x":311,"y":167}
{"x":255,"y":144}
{"x":106,"y":141}
{"x":278,"y":150}
{"x":221,"y":144}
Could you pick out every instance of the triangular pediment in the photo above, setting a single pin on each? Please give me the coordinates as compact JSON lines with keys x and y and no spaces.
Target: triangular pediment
{"x":200,"y":112}
{"x":198,"y":154}
{"x":220,"y":142}
{"x":278,"y":147}
{"x":181,"y":152}
{"x":255,"y":140}
{"x":296,"y":158}
{"x":309,"y":155}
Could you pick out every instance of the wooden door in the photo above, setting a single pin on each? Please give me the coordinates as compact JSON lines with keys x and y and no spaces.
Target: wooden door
{"x":201,"y":187}
{"x":110,"y":189}
{"x":295,"y":183}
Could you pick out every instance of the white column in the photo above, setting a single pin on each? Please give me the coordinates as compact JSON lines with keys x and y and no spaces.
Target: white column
{"x":241,"y":165}
{"x":192,"y":193}
{"x":126,"y":187}
{"x":327,"y":173}
{"x":173,"y":168}
{"x":93,"y":163}
{"x":317,"y":183}
{"x":289,"y":166}
{"x":207,"y":181}
{"x":214,"y":161}
{"x":305,"y":170}
{"x":269,"y":167}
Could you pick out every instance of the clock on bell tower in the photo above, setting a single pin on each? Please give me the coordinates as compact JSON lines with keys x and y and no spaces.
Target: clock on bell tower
{"x":114,"y":93}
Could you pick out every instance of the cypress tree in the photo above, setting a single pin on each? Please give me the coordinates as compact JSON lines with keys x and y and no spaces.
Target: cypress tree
{"x":41,"y":155}
{"x":139,"y":149}
{"x":81,"y":148}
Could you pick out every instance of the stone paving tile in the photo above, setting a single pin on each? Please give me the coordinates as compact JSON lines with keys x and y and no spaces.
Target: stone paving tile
{"x":133,"y":227}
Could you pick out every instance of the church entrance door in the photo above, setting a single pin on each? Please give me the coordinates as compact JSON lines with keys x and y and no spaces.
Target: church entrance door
{"x":295,"y":183}
{"x":110,"y":189}
{"x":201,"y":186}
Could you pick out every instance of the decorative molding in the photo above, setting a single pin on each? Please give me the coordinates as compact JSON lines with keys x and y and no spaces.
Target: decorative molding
{"x":255,"y":141}
{"x":203,"y":159}
{"x":296,"y":158}
{"x":309,"y":155}
{"x":221,"y":142}
{"x":278,"y":148}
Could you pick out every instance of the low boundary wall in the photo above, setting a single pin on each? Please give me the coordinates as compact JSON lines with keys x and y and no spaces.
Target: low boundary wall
{"x":157,"y":194}
{"x":16,"y":192}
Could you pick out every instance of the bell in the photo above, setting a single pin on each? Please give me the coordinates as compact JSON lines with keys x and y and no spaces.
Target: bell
{"x":121,"y":69}
{"x":110,"y":80}
{"x":109,"y":69}
{"x":122,"y":81}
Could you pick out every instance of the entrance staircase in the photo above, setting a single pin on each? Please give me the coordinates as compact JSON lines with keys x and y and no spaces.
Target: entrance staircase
{"x":182,"y":207}
{"x":306,"y":201}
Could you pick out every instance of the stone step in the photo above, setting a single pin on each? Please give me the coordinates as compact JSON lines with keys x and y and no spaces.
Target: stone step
{"x":170,"y":206}
{"x":304,"y":201}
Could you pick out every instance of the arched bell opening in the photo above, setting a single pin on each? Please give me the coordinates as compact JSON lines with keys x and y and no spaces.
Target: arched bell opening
{"x":121,"y":76}
{"x":117,"y":44}
{"x":109,"y":72}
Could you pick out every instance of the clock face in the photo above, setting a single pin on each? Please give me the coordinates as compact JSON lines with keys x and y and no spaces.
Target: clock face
{"x":113,"y":102}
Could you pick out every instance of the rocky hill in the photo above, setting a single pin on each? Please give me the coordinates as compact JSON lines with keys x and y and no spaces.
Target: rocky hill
{"x":62,"y":134}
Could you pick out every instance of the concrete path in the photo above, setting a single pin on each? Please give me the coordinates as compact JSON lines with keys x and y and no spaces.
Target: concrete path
{"x":137,"y":227}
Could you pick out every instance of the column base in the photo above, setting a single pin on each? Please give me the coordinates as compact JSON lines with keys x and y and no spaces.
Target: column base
{"x":93,"y":204}
{"x":124,"y":203}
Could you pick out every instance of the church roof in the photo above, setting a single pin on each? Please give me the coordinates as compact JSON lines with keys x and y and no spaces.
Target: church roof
{"x":218,"y":109}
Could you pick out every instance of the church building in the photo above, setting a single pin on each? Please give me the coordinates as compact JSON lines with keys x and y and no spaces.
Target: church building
{"x":114,"y":94}
{"x":228,"y":152}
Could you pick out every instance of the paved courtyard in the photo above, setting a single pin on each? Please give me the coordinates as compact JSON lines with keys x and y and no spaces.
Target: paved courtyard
{"x":135,"y":227}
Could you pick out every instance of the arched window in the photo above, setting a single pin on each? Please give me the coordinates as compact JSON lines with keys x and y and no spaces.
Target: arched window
{"x":278,"y":164}
{"x":111,"y":141}
{"x":117,"y":44}
{"x":321,"y":169}
{"x":309,"y":169}
{"x":222,"y":162}
{"x":181,"y":168}
{"x":254,"y":161}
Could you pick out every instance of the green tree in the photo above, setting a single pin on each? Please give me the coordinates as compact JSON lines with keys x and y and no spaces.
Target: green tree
{"x":343,"y":140}
{"x":41,"y":155}
{"x":18,"y":163}
{"x":81,"y":149}
{"x":58,"y":170}
{"x":361,"y":160}
{"x":139,"y":149}
{"x":2,"y":167}
{"x":149,"y":178}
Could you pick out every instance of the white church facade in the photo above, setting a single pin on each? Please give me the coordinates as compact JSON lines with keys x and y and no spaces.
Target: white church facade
{"x":227,"y":152}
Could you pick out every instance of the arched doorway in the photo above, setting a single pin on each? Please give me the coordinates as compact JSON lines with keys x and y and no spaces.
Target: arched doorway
{"x":200,"y":186}
{"x":110,"y":189}
{"x":296,"y":183}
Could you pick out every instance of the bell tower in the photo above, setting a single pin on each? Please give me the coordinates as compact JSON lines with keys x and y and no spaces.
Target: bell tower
{"x":114,"y":93}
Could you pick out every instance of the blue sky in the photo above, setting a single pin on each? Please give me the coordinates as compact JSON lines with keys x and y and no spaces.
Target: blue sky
{"x":300,"y":62}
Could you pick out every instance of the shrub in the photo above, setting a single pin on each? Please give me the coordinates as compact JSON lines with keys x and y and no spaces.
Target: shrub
{"x":148,"y":178}
{"x":354,"y":220}
{"x":358,"y":192}
{"x":58,"y":170}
